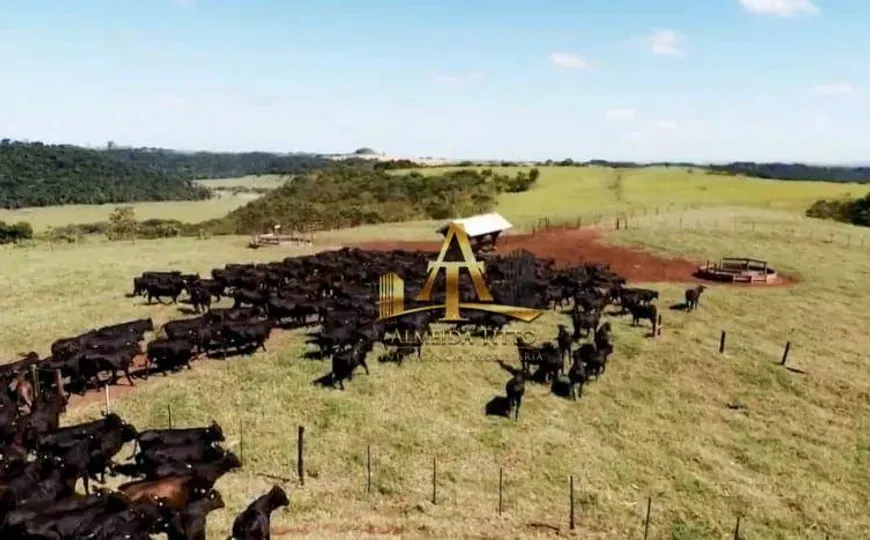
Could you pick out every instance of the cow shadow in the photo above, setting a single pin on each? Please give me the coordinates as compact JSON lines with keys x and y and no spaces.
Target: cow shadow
{"x":498,"y":406}
{"x":187,"y":311}
{"x":313,"y":355}
{"x":679,"y":307}
{"x":325,"y":381}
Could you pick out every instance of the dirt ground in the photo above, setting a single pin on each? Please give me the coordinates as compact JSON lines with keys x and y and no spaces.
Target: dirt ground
{"x":573,"y":246}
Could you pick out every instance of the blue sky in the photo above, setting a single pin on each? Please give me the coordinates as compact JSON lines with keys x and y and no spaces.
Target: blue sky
{"x":607,"y":79}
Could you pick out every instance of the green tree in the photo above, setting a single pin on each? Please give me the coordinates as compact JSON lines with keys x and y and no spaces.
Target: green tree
{"x":122,"y":223}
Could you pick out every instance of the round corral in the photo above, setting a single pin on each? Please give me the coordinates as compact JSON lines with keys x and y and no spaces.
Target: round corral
{"x":738,"y":270}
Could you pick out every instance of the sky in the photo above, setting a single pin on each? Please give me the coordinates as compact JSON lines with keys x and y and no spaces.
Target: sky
{"x":718,"y":80}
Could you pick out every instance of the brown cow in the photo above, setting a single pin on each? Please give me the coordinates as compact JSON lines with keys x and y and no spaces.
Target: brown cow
{"x":176,"y":491}
{"x":23,"y":390}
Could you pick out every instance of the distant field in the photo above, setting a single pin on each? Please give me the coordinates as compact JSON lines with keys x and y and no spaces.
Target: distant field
{"x":795,"y":463}
{"x":568,"y":192}
{"x":46,"y":217}
{"x":562,"y":193}
{"x":266,"y":181}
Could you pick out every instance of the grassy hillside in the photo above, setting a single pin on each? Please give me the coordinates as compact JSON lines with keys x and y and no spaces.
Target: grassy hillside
{"x":566,"y":192}
{"x":561,"y":193}
{"x":36,"y":174}
{"x":794,"y":462}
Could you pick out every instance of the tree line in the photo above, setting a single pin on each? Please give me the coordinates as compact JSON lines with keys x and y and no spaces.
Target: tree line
{"x":848,"y":210}
{"x":337,"y":197}
{"x":209,"y":165}
{"x":37,"y":174}
{"x":345,"y":195}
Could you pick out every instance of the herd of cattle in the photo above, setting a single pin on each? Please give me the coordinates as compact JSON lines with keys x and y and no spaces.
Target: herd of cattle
{"x":336,"y":290}
{"x":174,"y":473}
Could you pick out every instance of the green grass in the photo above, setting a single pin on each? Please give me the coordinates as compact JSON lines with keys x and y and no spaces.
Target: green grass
{"x":565,"y":193}
{"x":795,"y":464}
{"x":562,"y":194}
{"x":44,"y":218}
{"x":265,"y":181}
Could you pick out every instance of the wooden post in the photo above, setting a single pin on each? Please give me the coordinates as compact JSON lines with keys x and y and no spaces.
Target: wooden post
{"x":657,"y":330}
{"x":368,"y":468}
{"x":646,"y":522}
{"x":785,"y":353}
{"x":722,"y":342}
{"x":241,"y":442}
{"x":34,"y":374}
{"x":737,"y":529}
{"x":571,"y":521}
{"x":169,"y":414}
{"x":617,"y":224}
{"x":108,"y":405}
{"x":500,"y":489}
{"x":300,"y":464}
{"x":434,"y":480}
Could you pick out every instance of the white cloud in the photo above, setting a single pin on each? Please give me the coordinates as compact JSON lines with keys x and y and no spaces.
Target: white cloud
{"x":780,"y":8}
{"x":666,"y":43}
{"x":568,"y":60}
{"x":667,"y":124}
{"x":620,"y":114}
{"x":839,"y":88}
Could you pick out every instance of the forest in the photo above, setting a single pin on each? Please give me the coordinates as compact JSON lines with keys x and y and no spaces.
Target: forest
{"x":205,"y":165}
{"x":347,"y":196}
{"x":37,"y":174}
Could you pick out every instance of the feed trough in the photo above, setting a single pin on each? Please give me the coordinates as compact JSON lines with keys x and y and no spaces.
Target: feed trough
{"x":738,"y":270}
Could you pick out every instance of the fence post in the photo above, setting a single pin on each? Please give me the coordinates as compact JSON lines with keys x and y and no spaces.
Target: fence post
{"x":785,"y":353}
{"x":241,"y":442}
{"x":368,"y":469}
{"x":58,"y":380}
{"x":722,"y":342}
{"x":434,"y":480}
{"x":646,"y":521}
{"x":169,"y":413}
{"x":617,"y":224}
{"x":500,"y":489}
{"x":657,"y":331}
{"x":300,"y":465}
{"x":108,"y":405}
{"x":571,"y":522}
{"x":737,"y":529}
{"x":34,"y":373}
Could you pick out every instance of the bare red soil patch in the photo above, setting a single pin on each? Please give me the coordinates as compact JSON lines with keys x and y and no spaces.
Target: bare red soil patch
{"x":573,"y":246}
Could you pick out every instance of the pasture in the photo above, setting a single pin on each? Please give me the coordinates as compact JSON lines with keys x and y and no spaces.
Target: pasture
{"x":793,"y":459}
{"x":264,"y":181}
{"x":561,"y":194}
{"x":43,"y":219}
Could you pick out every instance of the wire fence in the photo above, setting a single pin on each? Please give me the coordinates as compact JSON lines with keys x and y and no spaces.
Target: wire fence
{"x":692,"y":218}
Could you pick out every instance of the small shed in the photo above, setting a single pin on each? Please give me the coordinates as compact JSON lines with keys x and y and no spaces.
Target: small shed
{"x":483,"y":230}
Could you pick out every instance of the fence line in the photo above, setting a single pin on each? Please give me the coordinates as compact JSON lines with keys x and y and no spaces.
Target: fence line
{"x":680,"y":218}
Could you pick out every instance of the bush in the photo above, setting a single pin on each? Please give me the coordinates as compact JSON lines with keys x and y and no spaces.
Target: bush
{"x":15,"y":233}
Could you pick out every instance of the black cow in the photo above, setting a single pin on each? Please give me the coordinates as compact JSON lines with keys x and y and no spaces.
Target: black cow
{"x":169,"y":354}
{"x":155,"y":438}
{"x":641,"y":312}
{"x":514,"y":389}
{"x":346,"y":361}
{"x":255,"y":522}
{"x":164,"y":290}
{"x":693,"y":297}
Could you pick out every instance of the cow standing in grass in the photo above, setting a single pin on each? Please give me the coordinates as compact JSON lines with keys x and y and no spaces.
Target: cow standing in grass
{"x":693,"y":297}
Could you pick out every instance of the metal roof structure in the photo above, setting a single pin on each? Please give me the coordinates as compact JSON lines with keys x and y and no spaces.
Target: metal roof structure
{"x":480,"y":225}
